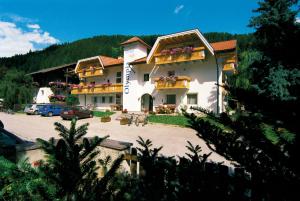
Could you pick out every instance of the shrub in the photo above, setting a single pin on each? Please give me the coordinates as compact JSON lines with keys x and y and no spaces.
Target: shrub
{"x":105,"y":119}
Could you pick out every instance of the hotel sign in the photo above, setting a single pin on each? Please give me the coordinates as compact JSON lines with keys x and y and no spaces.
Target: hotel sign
{"x":127,"y":79}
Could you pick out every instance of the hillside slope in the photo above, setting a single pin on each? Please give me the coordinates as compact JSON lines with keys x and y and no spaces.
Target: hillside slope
{"x":105,"y":45}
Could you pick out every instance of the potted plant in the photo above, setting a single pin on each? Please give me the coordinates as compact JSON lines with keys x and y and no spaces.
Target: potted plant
{"x":105,"y":119}
{"x":124,"y":121}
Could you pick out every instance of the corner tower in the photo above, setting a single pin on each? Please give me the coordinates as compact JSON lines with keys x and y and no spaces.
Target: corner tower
{"x":134,"y":48}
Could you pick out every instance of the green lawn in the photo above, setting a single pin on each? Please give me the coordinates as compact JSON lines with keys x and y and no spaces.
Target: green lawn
{"x":169,"y":119}
{"x":102,"y":114}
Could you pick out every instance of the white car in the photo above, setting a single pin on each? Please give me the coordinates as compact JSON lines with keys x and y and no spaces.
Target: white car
{"x":32,"y":109}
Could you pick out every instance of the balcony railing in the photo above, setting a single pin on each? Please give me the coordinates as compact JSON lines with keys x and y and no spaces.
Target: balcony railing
{"x":197,"y":54}
{"x":229,"y":64}
{"x":97,"y":89}
{"x":179,"y":82}
{"x":90,"y":73}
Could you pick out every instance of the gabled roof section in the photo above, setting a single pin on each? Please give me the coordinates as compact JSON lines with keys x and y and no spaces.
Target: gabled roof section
{"x":179,"y":34}
{"x":224,"y":45}
{"x":103,"y":60}
{"x":109,"y":61}
{"x":86,"y":60}
{"x":136,"y":39}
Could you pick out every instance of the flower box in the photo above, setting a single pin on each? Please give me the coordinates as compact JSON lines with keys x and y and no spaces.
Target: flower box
{"x":124,"y":121}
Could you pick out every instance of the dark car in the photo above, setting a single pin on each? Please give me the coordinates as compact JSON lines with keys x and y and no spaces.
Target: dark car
{"x":51,"y":110}
{"x":77,"y":112}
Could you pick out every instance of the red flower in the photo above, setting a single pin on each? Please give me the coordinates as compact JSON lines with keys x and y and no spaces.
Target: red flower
{"x":36,"y":163}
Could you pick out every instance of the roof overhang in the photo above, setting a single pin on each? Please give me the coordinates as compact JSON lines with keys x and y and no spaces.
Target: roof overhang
{"x":194,"y":31}
{"x":88,"y":59}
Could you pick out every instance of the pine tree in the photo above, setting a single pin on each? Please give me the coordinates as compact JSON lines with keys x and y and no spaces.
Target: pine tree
{"x":71,"y":164}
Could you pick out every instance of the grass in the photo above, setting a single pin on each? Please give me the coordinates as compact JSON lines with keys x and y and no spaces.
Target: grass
{"x":179,"y":120}
{"x":102,"y":114}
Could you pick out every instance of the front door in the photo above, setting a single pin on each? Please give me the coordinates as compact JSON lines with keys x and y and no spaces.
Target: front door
{"x":146,"y":102}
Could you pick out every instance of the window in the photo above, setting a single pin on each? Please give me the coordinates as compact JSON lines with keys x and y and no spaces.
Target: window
{"x":119,"y":77}
{"x":110,"y":99}
{"x":192,"y":99}
{"x":146,"y":77}
{"x":118,"y":99}
{"x":95,"y":99}
{"x":103,"y":99}
{"x":171,"y":99}
{"x":171,"y":73}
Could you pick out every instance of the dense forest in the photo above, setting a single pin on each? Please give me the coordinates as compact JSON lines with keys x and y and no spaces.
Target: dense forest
{"x":99,"y":45}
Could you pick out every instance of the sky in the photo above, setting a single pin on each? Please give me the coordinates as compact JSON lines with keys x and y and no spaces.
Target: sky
{"x":35,"y":24}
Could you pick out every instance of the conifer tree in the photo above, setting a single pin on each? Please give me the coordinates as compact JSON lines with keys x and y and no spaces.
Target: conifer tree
{"x":71,"y":164}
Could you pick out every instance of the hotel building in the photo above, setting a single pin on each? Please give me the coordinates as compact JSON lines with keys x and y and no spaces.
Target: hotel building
{"x":180,"y":70}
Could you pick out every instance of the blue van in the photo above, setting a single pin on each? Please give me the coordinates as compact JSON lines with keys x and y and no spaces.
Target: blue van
{"x":51,"y":110}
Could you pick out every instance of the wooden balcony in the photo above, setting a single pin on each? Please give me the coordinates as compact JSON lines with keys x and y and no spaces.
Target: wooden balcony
{"x":197,"y":54}
{"x":90,"y":73}
{"x":181,"y":82}
{"x":98,"y":89}
{"x":229,"y":63}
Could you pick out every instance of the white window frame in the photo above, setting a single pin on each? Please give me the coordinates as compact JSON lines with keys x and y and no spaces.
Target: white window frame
{"x":187,"y":98}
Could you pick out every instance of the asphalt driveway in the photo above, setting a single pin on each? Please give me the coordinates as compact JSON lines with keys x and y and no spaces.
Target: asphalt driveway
{"x":172,"y":138}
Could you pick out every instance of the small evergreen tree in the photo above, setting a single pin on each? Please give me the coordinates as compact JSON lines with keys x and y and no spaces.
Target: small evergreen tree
{"x":71,"y":164}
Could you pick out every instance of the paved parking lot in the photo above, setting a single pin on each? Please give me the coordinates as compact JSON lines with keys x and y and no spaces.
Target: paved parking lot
{"x":172,"y":138}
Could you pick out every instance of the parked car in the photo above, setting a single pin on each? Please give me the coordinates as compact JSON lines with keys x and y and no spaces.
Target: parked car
{"x":77,"y":112}
{"x":51,"y":110}
{"x":32,"y":108}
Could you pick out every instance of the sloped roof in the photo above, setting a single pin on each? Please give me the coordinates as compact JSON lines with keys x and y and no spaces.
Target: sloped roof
{"x":183,"y":33}
{"x":139,"y":61}
{"x":109,"y":61}
{"x":224,"y":45}
{"x":46,"y":70}
{"x":136,"y":39}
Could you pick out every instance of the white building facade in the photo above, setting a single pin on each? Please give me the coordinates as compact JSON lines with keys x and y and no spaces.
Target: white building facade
{"x":181,"y":70}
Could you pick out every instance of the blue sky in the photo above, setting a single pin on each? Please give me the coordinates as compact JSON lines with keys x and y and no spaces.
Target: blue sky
{"x":51,"y":21}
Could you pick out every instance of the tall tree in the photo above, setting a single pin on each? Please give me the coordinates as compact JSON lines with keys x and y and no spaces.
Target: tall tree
{"x":277,"y":35}
{"x":16,"y":88}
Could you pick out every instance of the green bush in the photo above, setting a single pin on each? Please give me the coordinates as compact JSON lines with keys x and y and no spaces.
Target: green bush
{"x":72,"y":100}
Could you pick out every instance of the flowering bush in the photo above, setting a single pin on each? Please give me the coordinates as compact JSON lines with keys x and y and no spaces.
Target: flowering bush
{"x":178,"y":50}
{"x":91,"y":85}
{"x":54,"y":98}
{"x":188,"y":49}
{"x":171,"y":78}
{"x":165,"y":52}
{"x":175,"y":51}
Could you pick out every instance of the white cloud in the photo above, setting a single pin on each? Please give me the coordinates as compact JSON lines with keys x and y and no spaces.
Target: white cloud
{"x":178,"y":9}
{"x":298,"y":19}
{"x":33,"y":26}
{"x":17,"y":40}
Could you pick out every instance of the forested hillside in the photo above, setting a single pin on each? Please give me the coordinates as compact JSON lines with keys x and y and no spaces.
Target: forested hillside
{"x":105,"y":45}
